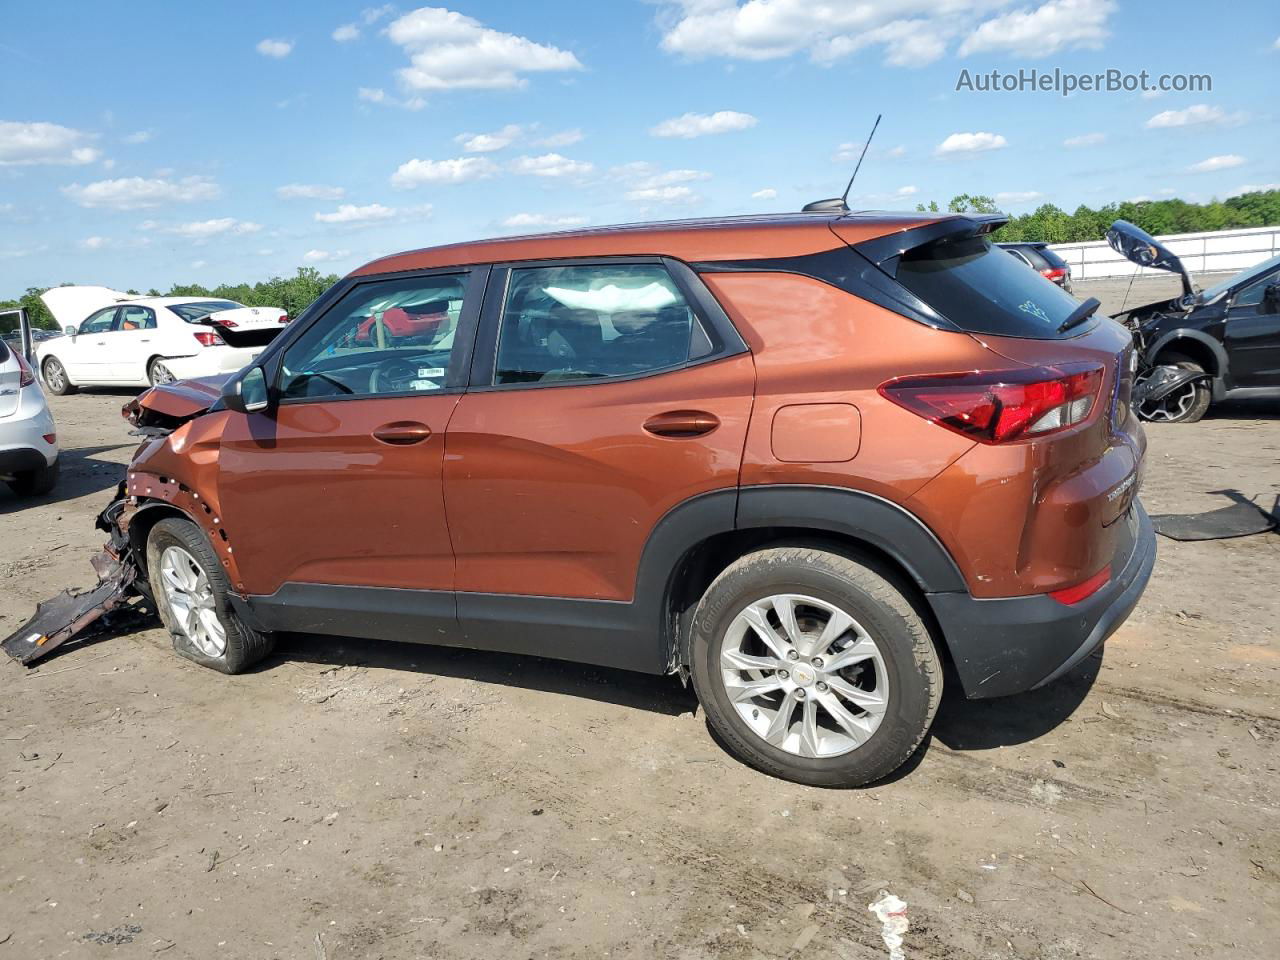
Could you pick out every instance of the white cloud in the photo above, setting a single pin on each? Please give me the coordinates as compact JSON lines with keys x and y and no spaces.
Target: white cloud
{"x":197,"y":264}
{"x":1085,"y":140}
{"x":768,"y":193}
{"x":371,"y":15}
{"x":12,"y":253}
{"x":378,"y":95}
{"x":565,"y":138}
{"x":350,"y":213}
{"x":1193,"y":116}
{"x":971,"y":142}
{"x":1151,"y":94}
{"x":205,"y":229}
{"x":690,"y":125}
{"x":346,"y":33}
{"x":910,"y":32}
{"x":141,"y":136}
{"x":414,"y":173}
{"x":309,"y":191}
{"x":896,"y":152}
{"x":138,"y":193}
{"x":31,"y":143}
{"x":550,"y":165}
{"x":1254,"y":188}
{"x":908,"y":191}
{"x":275,"y":48}
{"x":1018,"y":196}
{"x":372,"y":94}
{"x":489,"y":142}
{"x":449,"y":50}
{"x":664,"y":195}
{"x":325,"y":256}
{"x":532,"y":220}
{"x":1053,"y":26}
{"x":1222,"y":162}
{"x":95,"y":243}
{"x":663,"y":178}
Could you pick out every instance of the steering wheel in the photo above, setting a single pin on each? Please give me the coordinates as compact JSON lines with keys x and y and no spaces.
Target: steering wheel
{"x":392,"y":376}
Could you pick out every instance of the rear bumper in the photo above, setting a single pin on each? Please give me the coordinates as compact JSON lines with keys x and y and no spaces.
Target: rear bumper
{"x":22,"y":444}
{"x":212,"y":361}
{"x":1007,"y":646}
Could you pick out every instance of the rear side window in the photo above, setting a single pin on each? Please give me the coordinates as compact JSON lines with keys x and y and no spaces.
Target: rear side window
{"x":981,"y":289}
{"x":593,"y":322}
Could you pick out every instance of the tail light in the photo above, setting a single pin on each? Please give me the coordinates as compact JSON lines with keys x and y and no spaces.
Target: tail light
{"x":25,"y":377}
{"x":229,"y":324}
{"x":1054,"y":273}
{"x":284,"y":318}
{"x":1083,"y":591}
{"x":1001,"y":406}
{"x":208,"y":338}
{"x":50,"y":438}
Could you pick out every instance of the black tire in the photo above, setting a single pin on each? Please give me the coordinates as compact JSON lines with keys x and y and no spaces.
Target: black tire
{"x":158,"y":373}
{"x":1199,"y":405}
{"x":35,"y":483}
{"x":55,"y":377}
{"x":911,"y":662}
{"x":244,"y":645}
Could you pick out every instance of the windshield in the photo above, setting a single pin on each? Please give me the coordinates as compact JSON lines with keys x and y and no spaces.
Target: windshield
{"x":191,"y":312}
{"x":1214,"y":292}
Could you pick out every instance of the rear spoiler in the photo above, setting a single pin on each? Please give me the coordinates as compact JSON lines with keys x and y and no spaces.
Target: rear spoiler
{"x":885,"y":251}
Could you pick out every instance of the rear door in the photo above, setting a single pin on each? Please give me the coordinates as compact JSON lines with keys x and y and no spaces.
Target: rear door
{"x":603,"y":395}
{"x":334,"y":498}
{"x":1253,"y":336}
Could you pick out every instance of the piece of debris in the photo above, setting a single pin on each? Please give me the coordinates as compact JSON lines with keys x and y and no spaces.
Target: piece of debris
{"x":892,"y":914}
{"x":964,"y":895}
{"x":213,"y":862}
{"x":115,"y":936}
{"x":1110,"y":712}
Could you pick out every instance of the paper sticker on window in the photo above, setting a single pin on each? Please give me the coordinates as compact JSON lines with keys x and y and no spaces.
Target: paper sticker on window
{"x":431,"y":371}
{"x":424,"y":385}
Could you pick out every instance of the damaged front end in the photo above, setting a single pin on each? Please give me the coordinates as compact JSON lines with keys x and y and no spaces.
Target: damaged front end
{"x":170,"y":420}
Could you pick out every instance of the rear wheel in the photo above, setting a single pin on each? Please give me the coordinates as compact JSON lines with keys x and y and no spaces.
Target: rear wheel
{"x":1188,"y":403}
{"x":35,"y":483}
{"x":55,"y":377}
{"x":814,"y":667}
{"x":193,"y":596}
{"x":158,"y":373}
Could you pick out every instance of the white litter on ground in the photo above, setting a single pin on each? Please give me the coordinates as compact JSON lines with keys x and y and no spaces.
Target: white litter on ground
{"x":892,"y":913}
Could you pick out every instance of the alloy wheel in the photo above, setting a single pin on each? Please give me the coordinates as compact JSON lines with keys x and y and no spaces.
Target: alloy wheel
{"x":160,"y":374}
{"x":55,"y":376}
{"x":1171,"y":407}
{"x":804,"y":675}
{"x":191,"y":601}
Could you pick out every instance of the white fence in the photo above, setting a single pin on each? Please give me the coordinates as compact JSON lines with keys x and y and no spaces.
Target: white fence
{"x":1222,"y":251}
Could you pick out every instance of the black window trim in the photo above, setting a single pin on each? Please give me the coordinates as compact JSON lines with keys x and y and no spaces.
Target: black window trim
{"x":473,"y":297}
{"x":725,"y":339}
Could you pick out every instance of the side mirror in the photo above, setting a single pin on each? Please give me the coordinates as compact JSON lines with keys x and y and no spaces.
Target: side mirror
{"x":1271,"y":297}
{"x":70,"y":332}
{"x":247,"y":393}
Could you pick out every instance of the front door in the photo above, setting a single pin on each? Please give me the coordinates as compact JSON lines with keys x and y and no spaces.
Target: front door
{"x":87,"y":356}
{"x":1253,"y":336}
{"x":131,"y":344}
{"x":600,"y":400}
{"x":333,"y":497}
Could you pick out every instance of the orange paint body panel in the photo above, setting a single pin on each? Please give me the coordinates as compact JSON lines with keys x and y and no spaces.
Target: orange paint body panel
{"x":554,"y":491}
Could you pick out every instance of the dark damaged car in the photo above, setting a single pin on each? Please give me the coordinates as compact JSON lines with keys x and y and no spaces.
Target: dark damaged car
{"x":1197,"y":347}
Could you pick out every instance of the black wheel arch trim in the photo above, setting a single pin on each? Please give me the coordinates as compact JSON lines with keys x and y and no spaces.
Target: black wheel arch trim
{"x":1220,"y":376}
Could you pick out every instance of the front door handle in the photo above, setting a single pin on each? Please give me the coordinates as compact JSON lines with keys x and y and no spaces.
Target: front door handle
{"x":682,"y":423}
{"x":401,"y":433}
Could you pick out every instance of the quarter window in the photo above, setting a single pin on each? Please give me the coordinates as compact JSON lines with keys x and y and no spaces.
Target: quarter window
{"x":385,"y":337}
{"x":592,"y":322}
{"x":1252,"y":295}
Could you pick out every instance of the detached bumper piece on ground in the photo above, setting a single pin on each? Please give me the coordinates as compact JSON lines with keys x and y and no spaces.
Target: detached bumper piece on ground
{"x":117,"y":602}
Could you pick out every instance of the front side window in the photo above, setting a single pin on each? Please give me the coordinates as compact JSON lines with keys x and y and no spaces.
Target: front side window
{"x":385,"y":337}
{"x":1253,"y":294}
{"x":591,"y":322}
{"x":99,"y":322}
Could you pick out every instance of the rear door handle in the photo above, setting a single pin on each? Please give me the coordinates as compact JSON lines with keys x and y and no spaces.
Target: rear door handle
{"x":682,"y":423}
{"x":401,"y":433}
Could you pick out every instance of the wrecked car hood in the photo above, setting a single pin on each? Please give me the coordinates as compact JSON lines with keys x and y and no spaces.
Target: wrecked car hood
{"x":71,"y":305}
{"x":175,"y":401}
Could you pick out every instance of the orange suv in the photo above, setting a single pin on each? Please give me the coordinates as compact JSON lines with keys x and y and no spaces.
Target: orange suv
{"x":813,"y":461}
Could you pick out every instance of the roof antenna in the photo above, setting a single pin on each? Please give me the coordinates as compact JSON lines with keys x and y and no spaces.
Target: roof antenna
{"x":840,"y":204}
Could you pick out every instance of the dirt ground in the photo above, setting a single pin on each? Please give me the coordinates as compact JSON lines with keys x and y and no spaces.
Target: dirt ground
{"x":384,"y":800}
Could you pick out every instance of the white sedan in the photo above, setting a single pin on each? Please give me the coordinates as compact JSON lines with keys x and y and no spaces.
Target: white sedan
{"x":114,"y":339}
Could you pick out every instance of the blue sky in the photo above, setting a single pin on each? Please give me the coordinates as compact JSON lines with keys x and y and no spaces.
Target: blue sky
{"x":147,"y":143}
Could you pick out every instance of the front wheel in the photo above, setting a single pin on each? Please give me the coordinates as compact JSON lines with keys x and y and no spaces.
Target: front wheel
{"x":1188,"y":404}
{"x":193,"y":597}
{"x":814,"y":667}
{"x":55,"y":377}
